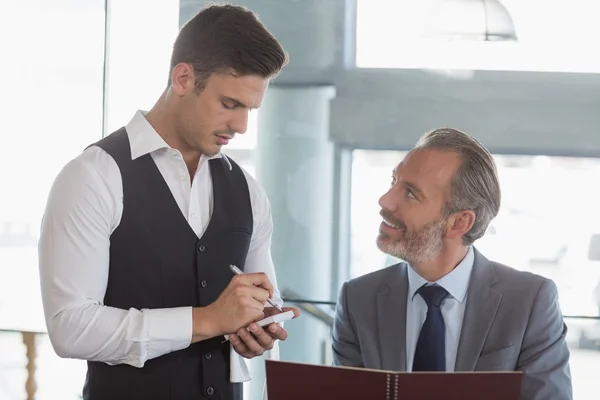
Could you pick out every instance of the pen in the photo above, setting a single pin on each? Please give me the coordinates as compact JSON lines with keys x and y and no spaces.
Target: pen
{"x":237,"y":271}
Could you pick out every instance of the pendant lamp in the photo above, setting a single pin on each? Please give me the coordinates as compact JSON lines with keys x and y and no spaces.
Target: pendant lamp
{"x":470,"y":20}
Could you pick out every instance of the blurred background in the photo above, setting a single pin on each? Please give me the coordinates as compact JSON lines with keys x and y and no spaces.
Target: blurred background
{"x":366,"y":79}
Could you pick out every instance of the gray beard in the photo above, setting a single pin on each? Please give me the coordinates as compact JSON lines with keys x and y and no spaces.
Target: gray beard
{"x":417,"y":246}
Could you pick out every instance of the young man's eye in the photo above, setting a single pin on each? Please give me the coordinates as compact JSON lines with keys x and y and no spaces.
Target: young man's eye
{"x":229,"y":106}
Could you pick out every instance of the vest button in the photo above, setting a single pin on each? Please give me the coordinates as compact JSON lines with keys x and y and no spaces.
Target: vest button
{"x":201,"y":248}
{"x":208,"y":356}
{"x":203,"y":284}
{"x":210,"y":391}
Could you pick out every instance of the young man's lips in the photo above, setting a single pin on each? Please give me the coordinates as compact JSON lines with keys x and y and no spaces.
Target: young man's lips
{"x":223,"y":140}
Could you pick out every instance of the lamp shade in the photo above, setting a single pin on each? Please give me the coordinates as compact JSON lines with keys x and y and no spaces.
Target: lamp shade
{"x":474,"y":20}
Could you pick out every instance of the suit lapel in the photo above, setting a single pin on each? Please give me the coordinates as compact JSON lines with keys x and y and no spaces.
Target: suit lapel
{"x":482,"y":304}
{"x":391,"y":321}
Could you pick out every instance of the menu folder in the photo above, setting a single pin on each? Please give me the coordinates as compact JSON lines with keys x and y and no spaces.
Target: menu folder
{"x":295,"y":381}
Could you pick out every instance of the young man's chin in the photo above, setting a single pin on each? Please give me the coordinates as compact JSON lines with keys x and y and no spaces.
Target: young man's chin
{"x":211,"y":150}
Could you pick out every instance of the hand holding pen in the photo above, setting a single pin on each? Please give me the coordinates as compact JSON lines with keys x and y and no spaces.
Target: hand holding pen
{"x":254,"y":340}
{"x":239,"y":304}
{"x":237,"y":271}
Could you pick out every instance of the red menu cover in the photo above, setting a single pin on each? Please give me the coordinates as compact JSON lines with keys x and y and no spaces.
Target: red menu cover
{"x":294,"y":381}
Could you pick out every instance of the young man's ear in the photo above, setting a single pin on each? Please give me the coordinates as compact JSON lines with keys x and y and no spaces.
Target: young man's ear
{"x":182,"y":79}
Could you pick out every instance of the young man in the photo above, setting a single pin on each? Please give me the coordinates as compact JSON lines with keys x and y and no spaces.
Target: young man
{"x":141,"y":228}
{"x":447,"y":308}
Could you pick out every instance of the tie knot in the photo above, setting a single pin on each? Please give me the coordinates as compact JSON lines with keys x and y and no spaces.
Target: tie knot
{"x":433,"y":295}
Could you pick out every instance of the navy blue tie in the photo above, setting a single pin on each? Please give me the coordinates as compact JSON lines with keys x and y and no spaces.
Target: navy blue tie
{"x":430,"y":354}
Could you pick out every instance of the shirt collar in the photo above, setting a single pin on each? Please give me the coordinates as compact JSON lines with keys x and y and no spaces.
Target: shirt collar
{"x":456,"y":282}
{"x":144,"y":139}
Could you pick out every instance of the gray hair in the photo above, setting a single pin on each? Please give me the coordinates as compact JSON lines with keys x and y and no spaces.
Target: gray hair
{"x":475,"y":185}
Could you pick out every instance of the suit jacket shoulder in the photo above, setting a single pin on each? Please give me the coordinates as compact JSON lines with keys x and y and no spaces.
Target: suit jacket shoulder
{"x":513,"y":322}
{"x":370,"y":316}
{"x":519,"y":280}
{"x":377,"y":280}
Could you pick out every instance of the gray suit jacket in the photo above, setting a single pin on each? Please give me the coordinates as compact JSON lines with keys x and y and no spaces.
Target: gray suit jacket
{"x":512,"y":322}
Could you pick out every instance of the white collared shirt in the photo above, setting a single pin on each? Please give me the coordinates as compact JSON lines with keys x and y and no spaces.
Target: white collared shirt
{"x":84,"y":207}
{"x":453,"y":308}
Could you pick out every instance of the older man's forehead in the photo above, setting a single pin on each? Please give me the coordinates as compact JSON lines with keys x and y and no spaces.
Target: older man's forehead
{"x":428,"y":167}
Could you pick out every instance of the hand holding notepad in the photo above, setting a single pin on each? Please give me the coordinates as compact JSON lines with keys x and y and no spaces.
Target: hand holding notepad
{"x":284,"y":316}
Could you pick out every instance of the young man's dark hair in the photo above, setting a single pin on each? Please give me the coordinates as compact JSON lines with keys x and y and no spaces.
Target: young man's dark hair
{"x":228,"y":38}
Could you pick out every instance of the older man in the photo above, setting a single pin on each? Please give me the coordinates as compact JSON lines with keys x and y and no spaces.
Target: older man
{"x":447,"y":307}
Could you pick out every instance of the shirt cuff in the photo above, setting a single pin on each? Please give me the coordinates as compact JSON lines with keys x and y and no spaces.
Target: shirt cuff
{"x":169,"y":329}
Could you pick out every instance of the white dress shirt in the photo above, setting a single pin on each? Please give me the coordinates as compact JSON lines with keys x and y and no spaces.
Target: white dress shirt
{"x":453,"y":308}
{"x":84,"y":208}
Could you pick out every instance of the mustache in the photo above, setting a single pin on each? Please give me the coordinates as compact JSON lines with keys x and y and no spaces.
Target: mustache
{"x":385,"y":214}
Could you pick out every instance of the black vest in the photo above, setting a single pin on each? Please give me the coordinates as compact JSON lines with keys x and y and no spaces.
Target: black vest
{"x":157,"y":261}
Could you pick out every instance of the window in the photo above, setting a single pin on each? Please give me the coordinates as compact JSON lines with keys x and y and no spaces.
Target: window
{"x":138,"y":59}
{"x":52,"y":87}
{"x":552,"y":231}
{"x":594,"y":248}
{"x":553,"y":36}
